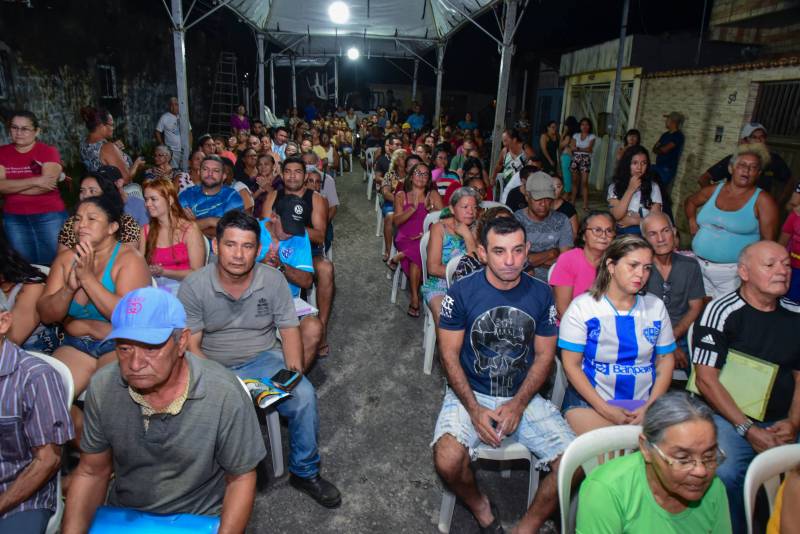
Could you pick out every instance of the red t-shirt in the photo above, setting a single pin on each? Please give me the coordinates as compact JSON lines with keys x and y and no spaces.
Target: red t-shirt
{"x":28,"y":165}
{"x":792,"y":227}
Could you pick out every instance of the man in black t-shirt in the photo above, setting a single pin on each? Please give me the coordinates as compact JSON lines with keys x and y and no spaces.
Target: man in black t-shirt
{"x":752,"y":320}
{"x":776,"y":174}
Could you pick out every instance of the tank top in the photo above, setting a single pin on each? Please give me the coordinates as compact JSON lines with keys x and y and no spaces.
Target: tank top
{"x":174,"y":258}
{"x":723,"y":234}
{"x":89,"y":311}
{"x":90,"y":155}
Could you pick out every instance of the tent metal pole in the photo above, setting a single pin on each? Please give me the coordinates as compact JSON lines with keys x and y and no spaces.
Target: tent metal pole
{"x":506,"y":53}
{"x":336,"y":82}
{"x":294,"y":84}
{"x":272,"y":83}
{"x":414,"y":81}
{"x":178,"y":33}
{"x":439,"y":72}
{"x":261,"y":96}
{"x":524,"y":103}
{"x":614,"y":126}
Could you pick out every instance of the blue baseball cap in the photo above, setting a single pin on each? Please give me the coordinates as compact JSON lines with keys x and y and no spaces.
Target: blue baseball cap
{"x":148,"y":315}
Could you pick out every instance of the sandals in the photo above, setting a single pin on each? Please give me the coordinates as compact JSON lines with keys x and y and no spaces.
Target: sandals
{"x":413,"y":311}
{"x":392,"y":264}
{"x":494,"y":527}
{"x":324,"y":351}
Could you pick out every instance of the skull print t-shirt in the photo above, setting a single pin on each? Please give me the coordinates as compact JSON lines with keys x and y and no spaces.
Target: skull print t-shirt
{"x":499,"y":329}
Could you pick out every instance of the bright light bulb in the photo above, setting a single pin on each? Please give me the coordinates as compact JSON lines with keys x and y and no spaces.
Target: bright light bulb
{"x":353,"y":53}
{"x":339,"y":12}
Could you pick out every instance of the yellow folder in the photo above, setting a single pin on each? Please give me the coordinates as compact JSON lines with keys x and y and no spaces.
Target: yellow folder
{"x":749,"y":382}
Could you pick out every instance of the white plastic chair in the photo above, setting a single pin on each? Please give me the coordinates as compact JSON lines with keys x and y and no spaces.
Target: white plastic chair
{"x":584,"y":452}
{"x":399,"y":278}
{"x":207,"y":245}
{"x":274,"y":433}
{"x":431,"y":218}
{"x":429,"y":325}
{"x":44,"y":269}
{"x":550,"y":272}
{"x":451,"y":269}
{"x":134,"y":190}
{"x":766,"y":469}
{"x":379,"y":212}
{"x":487,"y":204}
{"x":54,"y":524}
{"x":681,"y":375}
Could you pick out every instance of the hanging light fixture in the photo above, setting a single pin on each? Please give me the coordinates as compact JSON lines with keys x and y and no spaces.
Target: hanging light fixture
{"x":339,"y":12}
{"x":353,"y":53}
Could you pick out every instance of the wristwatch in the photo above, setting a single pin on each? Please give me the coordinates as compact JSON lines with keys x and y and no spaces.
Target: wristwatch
{"x":282,"y":268}
{"x":742,"y":428}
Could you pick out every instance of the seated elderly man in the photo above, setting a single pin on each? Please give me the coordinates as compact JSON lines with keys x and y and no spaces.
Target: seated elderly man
{"x":34,"y":424}
{"x":286,"y":247}
{"x":754,"y":321}
{"x":178,"y":432}
{"x":675,"y":279}
{"x":234,"y":307}
{"x":497,"y":338}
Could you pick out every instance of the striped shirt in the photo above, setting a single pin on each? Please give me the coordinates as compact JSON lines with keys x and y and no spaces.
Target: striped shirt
{"x":33,"y":413}
{"x":730,"y":322}
{"x":619,"y":348}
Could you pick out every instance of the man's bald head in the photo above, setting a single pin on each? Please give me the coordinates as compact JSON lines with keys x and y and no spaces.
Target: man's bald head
{"x":765,"y":268}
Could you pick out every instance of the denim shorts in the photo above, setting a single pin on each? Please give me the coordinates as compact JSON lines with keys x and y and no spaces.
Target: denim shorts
{"x":387,"y":208}
{"x":89,"y":345}
{"x":541,"y":429}
{"x":573,"y":399}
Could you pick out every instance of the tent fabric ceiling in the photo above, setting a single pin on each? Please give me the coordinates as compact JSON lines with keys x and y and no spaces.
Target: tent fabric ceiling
{"x":372,"y":27}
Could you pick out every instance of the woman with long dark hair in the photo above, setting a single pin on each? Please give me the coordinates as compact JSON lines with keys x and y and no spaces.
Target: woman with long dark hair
{"x":412,"y":205}
{"x":634,"y":192}
{"x":21,"y":285}
{"x":582,"y":146}
{"x":29,"y":172}
{"x":548,"y":149}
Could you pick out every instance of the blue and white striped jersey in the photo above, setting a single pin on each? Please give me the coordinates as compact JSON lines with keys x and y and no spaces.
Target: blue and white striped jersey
{"x":619,"y":349}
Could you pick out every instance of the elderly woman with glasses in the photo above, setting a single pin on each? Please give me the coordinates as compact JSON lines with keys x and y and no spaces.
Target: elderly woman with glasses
{"x":669,"y":485}
{"x":450,"y":237}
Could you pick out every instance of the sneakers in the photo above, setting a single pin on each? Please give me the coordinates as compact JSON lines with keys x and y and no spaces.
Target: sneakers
{"x":319,"y":489}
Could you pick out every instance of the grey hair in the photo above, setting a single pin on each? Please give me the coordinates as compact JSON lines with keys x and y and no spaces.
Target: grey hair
{"x":750,"y":149}
{"x":670,"y":409}
{"x":462,"y":192}
{"x":653,"y":215}
{"x":176,"y":334}
{"x":164,"y":148}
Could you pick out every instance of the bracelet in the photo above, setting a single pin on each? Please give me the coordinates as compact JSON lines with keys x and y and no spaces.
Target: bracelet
{"x":742,"y":428}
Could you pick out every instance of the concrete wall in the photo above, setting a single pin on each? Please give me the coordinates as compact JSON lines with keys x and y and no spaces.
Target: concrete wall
{"x":722,"y":98}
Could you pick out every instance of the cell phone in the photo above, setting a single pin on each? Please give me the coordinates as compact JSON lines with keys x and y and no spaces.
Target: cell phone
{"x":286,"y":379}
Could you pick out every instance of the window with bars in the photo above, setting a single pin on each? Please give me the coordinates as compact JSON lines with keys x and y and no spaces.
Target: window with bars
{"x":778,"y":108}
{"x":107,"y":79}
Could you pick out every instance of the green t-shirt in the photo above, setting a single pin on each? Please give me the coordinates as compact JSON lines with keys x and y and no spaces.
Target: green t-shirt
{"x":615,"y":499}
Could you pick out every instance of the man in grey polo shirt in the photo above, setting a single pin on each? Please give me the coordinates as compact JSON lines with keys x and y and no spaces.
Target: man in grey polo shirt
{"x":676,"y":279}
{"x":233,"y":308}
{"x":179,"y":432}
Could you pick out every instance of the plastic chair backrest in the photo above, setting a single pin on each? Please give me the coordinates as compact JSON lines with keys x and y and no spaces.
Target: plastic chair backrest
{"x":559,"y":385}
{"x":134,"y":190}
{"x":207,"y":245}
{"x":765,"y":469}
{"x":550,"y":272}
{"x":430,"y":218}
{"x":423,"y":251}
{"x":44,"y":269}
{"x":63,"y":372}
{"x":370,"y":157}
{"x":584,"y":452}
{"x":487,"y":204}
{"x":451,"y":268}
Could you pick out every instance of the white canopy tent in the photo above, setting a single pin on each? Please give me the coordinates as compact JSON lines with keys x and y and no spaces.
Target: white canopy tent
{"x":405,"y":29}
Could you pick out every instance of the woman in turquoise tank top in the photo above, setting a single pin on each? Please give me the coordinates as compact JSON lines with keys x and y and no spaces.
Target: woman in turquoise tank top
{"x":727,"y":217}
{"x":449,"y":238}
{"x":84,"y":286}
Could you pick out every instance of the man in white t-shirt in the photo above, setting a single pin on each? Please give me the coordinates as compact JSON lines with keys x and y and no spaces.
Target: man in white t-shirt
{"x":168,"y":132}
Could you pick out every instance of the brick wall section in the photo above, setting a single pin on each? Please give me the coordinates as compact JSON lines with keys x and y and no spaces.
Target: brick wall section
{"x":707,"y":101}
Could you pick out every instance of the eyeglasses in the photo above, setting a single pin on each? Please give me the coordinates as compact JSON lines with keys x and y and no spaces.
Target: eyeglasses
{"x":21,"y":129}
{"x":666,"y":287}
{"x":745,"y":167}
{"x":599,"y":232}
{"x":422,"y":173}
{"x":684,"y":465}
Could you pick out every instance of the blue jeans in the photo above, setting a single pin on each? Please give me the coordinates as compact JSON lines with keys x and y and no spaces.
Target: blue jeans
{"x":739,"y":454}
{"x":29,"y":521}
{"x":35,"y":237}
{"x":300,"y":409}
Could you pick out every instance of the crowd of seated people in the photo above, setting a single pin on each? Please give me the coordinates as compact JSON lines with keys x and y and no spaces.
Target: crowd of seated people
{"x":233,"y":242}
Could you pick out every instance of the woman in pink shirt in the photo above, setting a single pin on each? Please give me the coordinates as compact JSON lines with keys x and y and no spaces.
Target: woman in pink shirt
{"x":575,"y":270}
{"x":171,"y":244}
{"x":33,"y":211}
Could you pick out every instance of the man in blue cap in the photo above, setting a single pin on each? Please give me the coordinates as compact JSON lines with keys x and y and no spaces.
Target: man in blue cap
{"x":179,"y":432}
